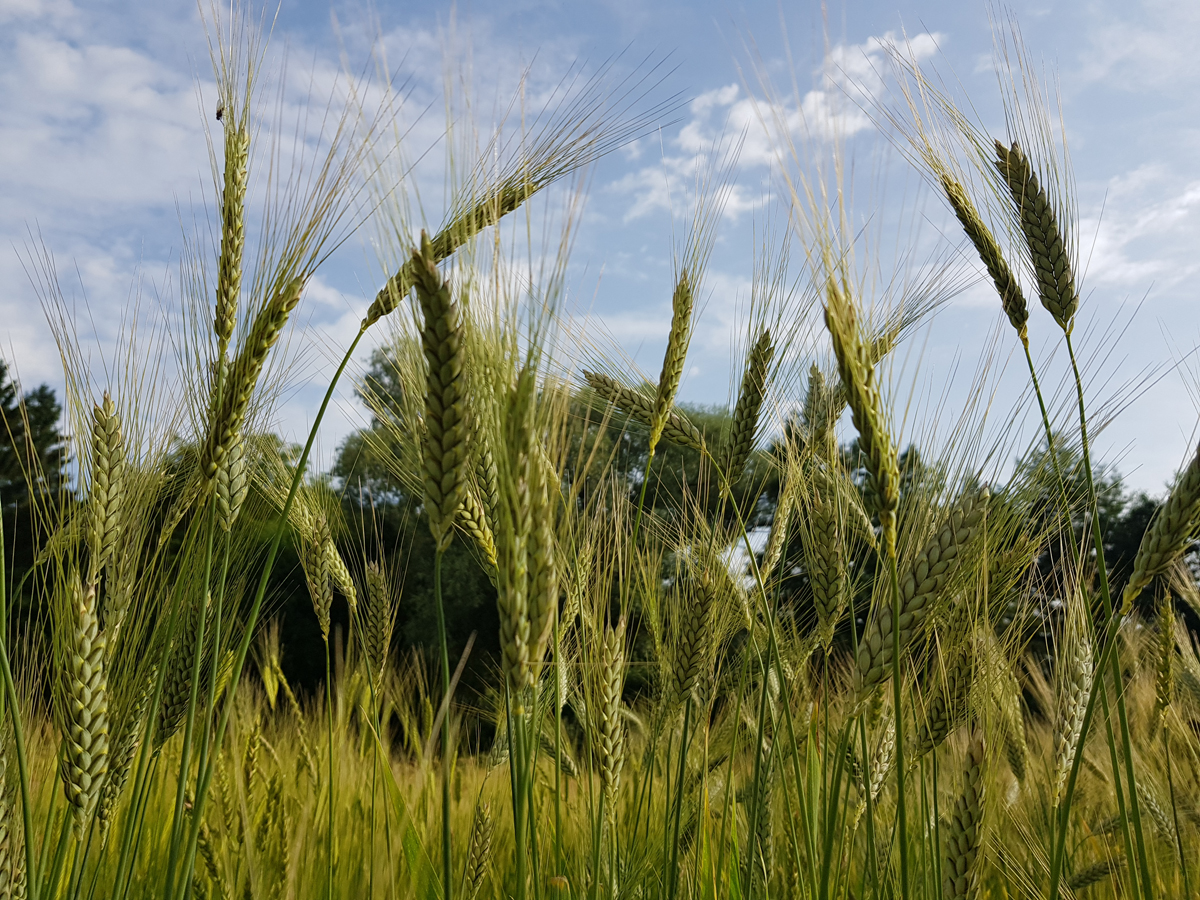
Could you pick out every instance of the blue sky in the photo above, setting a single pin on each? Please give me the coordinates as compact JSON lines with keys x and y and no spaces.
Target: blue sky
{"x":104,"y":106}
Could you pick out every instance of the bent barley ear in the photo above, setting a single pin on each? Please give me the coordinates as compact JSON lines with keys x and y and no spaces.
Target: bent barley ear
{"x":676,"y":428}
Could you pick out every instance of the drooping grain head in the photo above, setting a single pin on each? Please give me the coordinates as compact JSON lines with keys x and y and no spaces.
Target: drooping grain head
{"x":444,"y":448}
{"x":1039,"y":223}
{"x":862,"y":395}
{"x":84,"y":759}
{"x":676,"y":428}
{"x":673,"y":359}
{"x":1012,"y":299}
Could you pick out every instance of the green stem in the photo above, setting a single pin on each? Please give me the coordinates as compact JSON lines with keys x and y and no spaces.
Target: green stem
{"x":1187,"y":884}
{"x":447,"y":885}
{"x":898,"y":713}
{"x":673,"y":868}
{"x":329,"y":848}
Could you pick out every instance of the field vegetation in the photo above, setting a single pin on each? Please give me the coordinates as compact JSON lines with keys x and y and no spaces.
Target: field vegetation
{"x":647,"y":650}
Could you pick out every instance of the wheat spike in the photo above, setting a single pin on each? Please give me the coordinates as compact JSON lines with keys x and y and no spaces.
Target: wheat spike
{"x":543,"y":570}
{"x":1074,"y":685}
{"x":480,"y":853}
{"x":233,"y":232}
{"x":857,"y":368}
{"x":1051,"y":264}
{"x":12,"y":851}
{"x":691,"y":645}
{"x":777,"y":535}
{"x":108,"y":487}
{"x":965,"y":826}
{"x":513,"y":587}
{"x":84,"y":761}
{"x":124,"y":746}
{"x":380,"y":618}
{"x":444,"y":447}
{"x":314,"y":560}
{"x":1094,"y":873}
{"x":1164,"y":669}
{"x":488,"y":480}
{"x":1168,"y":534}
{"x":919,"y":588}
{"x":824,"y":557}
{"x":1011,"y":297}
{"x":676,"y":428}
{"x":244,"y":372}
{"x":232,"y":483}
{"x":612,"y":730}
{"x":1158,"y":813}
{"x":673,"y":358}
{"x":744,"y":428}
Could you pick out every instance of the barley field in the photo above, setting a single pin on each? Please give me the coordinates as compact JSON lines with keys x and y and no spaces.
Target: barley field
{"x":765,"y":651}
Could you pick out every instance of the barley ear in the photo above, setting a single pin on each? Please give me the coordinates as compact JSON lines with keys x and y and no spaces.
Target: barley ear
{"x":444,"y":447}
{"x":946,"y":706}
{"x":857,"y":369}
{"x":480,"y":853}
{"x":232,"y":483}
{"x":693,"y":639}
{"x":380,"y":618}
{"x":1164,"y":669}
{"x":1168,"y":534}
{"x":543,"y":568}
{"x":612,"y":729}
{"x":233,"y":232}
{"x":84,"y":761}
{"x":1051,"y":263}
{"x":673,"y":358}
{"x":108,"y":486}
{"x":1074,"y":684}
{"x":125,"y":744}
{"x":12,"y":851}
{"x":676,"y":428}
{"x":1011,"y":297}
{"x":744,"y":428}
{"x":1094,"y":873}
{"x":965,"y":826}
{"x":474,"y":521}
{"x":516,"y":532}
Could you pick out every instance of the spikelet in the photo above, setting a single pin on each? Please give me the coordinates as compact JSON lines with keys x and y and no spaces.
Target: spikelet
{"x":964,"y":828}
{"x":474,"y":521}
{"x":1148,"y":800}
{"x":232,"y":483}
{"x":488,"y":480}
{"x":1168,"y":534}
{"x":380,"y":618}
{"x":444,"y":445}
{"x":233,"y":232}
{"x":1074,"y":682}
{"x":612,"y":729}
{"x":479,"y":855}
{"x":250,"y":757}
{"x":919,"y":589}
{"x":124,"y":746}
{"x":108,"y":487}
{"x":692,"y":643}
{"x":84,"y":760}
{"x":177,"y":683}
{"x":675,"y":429}
{"x":338,"y":573}
{"x":1051,"y":263}
{"x":1164,"y":669}
{"x":946,"y":708}
{"x":12,"y":862}
{"x":543,"y":571}
{"x":244,"y":372}
{"x":744,"y":428}
{"x":857,"y":369}
{"x":513,"y":582}
{"x":1011,"y":297}
{"x":1094,"y":873}
{"x":673,"y":358}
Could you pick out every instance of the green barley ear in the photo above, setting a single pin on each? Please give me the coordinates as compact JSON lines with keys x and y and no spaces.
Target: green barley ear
{"x":965,"y":826}
{"x":857,"y":368}
{"x":84,"y":760}
{"x":543,"y":568}
{"x":473,"y":519}
{"x":314,"y":560}
{"x":675,"y":429}
{"x":233,"y":232}
{"x":1051,"y":263}
{"x":124,"y":747}
{"x":12,"y":851}
{"x":108,"y":487}
{"x":244,"y":373}
{"x":673,"y":358}
{"x":1074,"y":684}
{"x":444,"y":447}
{"x":612,"y":729}
{"x":1094,"y":873}
{"x":946,"y":707}
{"x":338,"y":573}
{"x":920,"y":587}
{"x":232,"y":483}
{"x":479,"y":856}
{"x":380,"y":619}
{"x":177,"y":683}
{"x":1168,"y":534}
{"x":785,"y":508}
{"x":823,"y":555}
{"x":744,"y":428}
{"x":1006,"y":695}
{"x":1164,"y":669}
{"x":1011,"y":297}
{"x":693,"y":639}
